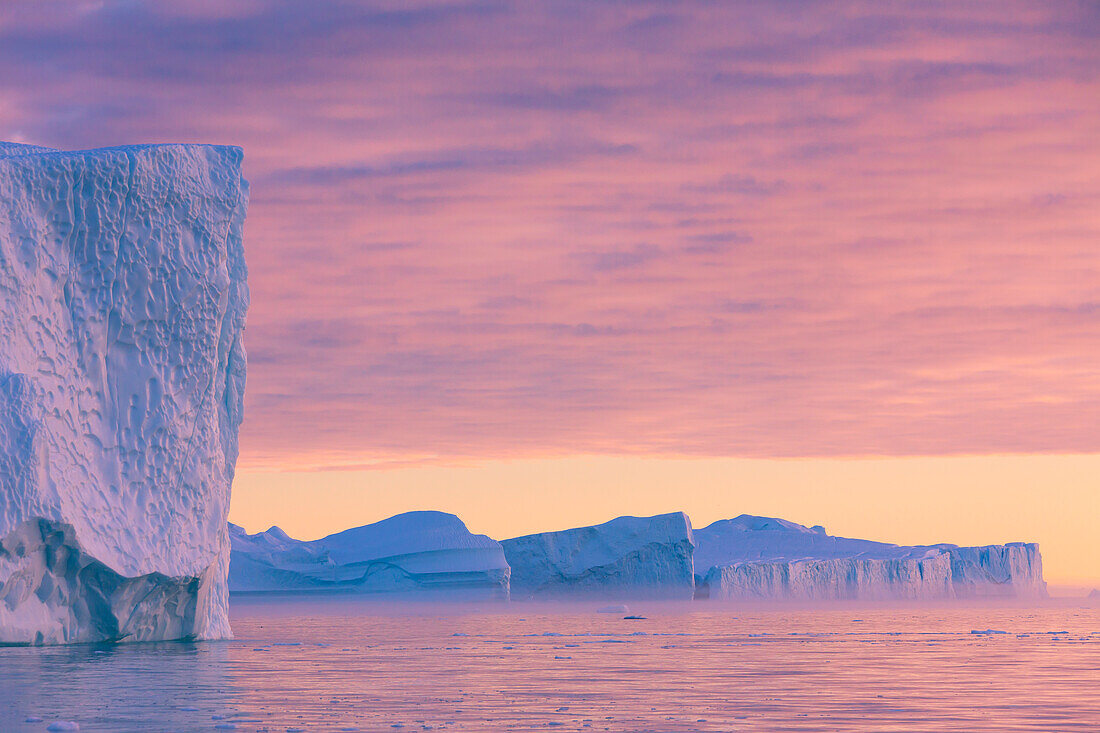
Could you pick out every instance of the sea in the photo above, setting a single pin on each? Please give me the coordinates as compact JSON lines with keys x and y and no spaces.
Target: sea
{"x":350,"y":664}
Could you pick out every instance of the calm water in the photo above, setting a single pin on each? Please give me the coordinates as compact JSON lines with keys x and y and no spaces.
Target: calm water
{"x":347,"y":665}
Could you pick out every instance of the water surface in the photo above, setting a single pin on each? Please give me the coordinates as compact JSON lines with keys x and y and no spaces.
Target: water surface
{"x":343,"y":664}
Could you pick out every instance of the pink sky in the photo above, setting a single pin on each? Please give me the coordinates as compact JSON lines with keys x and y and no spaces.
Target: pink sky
{"x":628,"y":227}
{"x":487,"y":230}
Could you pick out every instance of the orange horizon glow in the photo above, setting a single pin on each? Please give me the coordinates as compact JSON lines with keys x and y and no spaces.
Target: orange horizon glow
{"x":966,"y":500}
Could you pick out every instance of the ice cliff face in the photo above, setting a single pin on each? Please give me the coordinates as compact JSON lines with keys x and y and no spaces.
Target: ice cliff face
{"x":122,"y":304}
{"x":760,"y":558}
{"x":1012,"y":570}
{"x":746,"y":558}
{"x":412,"y":552}
{"x":925,"y":578}
{"x":628,"y":557}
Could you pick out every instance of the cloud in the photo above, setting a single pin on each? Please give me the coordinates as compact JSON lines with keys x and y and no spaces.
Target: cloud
{"x":493,"y":229}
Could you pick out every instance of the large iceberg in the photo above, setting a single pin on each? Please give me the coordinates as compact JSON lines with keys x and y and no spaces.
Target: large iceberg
{"x":628,"y":557}
{"x":122,"y":305}
{"x":763,"y":558}
{"x":409,"y":553}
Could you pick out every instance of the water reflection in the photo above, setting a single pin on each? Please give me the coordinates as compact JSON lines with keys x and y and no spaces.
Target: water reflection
{"x":342,"y":664}
{"x":116,"y":687}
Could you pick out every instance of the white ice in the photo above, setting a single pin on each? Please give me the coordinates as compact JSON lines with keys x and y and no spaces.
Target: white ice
{"x":415,"y":551}
{"x":628,"y":557}
{"x":774,"y":559}
{"x":122,"y":304}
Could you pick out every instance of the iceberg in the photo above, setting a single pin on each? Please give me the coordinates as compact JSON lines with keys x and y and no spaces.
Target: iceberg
{"x":409,"y":553}
{"x":628,"y":557}
{"x":773,"y":559}
{"x":1013,"y":570}
{"x":123,"y":292}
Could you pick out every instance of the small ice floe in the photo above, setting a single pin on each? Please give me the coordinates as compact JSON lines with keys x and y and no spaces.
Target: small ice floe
{"x":563,"y":657}
{"x":613,"y":609}
{"x":986,"y":632}
{"x":634,"y":618}
{"x":189,"y":709}
{"x":62,"y":725}
{"x":33,"y":719}
{"x":225,"y":726}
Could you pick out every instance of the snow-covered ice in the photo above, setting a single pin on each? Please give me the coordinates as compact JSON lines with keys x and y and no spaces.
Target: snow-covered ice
{"x":415,"y":551}
{"x":633,"y":557}
{"x":122,"y":304}
{"x":763,"y":558}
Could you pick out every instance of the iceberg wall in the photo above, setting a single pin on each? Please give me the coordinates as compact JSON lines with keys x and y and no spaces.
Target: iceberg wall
{"x":864,"y":579}
{"x":414,"y":552}
{"x":628,"y":557}
{"x":1012,"y":570}
{"x":122,"y":304}
{"x":772,"y":559}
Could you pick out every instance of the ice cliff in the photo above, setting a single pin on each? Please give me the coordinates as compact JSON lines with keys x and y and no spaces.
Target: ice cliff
{"x":762,"y":558}
{"x":122,"y":305}
{"x":412,"y":552}
{"x":628,"y":557}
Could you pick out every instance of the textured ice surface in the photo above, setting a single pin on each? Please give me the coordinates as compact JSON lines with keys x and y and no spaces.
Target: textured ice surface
{"x":636,"y":557}
{"x":1015,"y":569}
{"x":415,"y":551}
{"x":763,"y":558}
{"x":122,"y":303}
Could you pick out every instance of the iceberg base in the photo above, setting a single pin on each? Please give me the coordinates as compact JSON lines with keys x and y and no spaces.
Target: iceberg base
{"x":53,"y":592}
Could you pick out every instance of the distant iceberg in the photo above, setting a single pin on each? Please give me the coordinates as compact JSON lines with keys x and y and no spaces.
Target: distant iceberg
{"x":773,"y":559}
{"x":413,"y":552}
{"x":628,"y":557}
{"x":660,"y":557}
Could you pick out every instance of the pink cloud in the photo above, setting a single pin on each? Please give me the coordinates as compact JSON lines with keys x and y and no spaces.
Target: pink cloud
{"x":485,"y":230}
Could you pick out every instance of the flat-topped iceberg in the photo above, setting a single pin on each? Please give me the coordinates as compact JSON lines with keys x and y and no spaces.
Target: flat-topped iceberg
{"x":772,"y":559}
{"x":628,"y":557}
{"x":410,"y":553}
{"x":122,"y":305}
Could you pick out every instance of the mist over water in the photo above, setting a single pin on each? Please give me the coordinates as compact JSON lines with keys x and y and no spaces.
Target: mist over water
{"x":329,"y":664}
